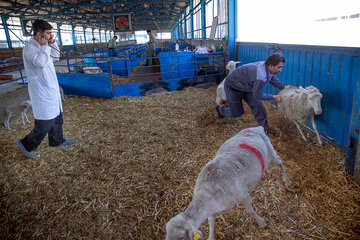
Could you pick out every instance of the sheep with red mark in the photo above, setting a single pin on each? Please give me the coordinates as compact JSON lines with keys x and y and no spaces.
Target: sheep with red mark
{"x":226,"y":181}
{"x":220,"y":91}
{"x":298,"y":104}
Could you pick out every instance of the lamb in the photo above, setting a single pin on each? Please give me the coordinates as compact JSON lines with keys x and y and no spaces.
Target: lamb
{"x":226,"y":181}
{"x":201,"y":50}
{"x":220,"y":91}
{"x":299,"y":104}
{"x":16,"y":109}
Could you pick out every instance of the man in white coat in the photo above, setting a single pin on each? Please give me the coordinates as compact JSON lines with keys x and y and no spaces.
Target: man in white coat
{"x":43,"y":88}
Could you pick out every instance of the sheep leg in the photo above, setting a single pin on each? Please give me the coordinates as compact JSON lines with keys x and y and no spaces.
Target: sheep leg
{"x":26,"y":117}
{"x":285,"y":176}
{"x":211,"y":221}
{"x":7,"y":120}
{"x":316,"y":130}
{"x":301,"y":132}
{"x":278,"y":161}
{"x":22,"y":119}
{"x":250,"y":210}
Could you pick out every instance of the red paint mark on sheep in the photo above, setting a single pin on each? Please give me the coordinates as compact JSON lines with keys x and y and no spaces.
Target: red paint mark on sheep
{"x":257,"y":154}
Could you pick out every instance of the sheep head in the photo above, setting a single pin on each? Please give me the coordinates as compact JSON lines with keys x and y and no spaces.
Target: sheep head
{"x":314,"y":98}
{"x":232,"y":65}
{"x":179,"y":228}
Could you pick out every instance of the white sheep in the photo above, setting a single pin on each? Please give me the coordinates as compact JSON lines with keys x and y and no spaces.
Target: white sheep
{"x":92,"y":70}
{"x":16,"y":109}
{"x":220,"y":91}
{"x":201,"y":50}
{"x":226,"y":181}
{"x":298,"y":104}
{"x":9,"y":62}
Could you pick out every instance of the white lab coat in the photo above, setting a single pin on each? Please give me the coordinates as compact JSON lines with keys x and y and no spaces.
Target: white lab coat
{"x":43,"y":85}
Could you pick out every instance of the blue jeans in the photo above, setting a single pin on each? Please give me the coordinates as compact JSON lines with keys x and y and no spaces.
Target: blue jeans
{"x":52,"y":127}
{"x":236,"y":109}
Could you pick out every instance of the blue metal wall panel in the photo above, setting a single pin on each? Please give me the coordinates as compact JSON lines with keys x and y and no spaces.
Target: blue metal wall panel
{"x":334,"y":70}
{"x":137,"y":89}
{"x":92,"y":85}
{"x":177,"y":64}
{"x":355,"y":120}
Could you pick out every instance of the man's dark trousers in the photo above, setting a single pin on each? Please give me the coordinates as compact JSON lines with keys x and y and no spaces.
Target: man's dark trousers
{"x":52,"y":127}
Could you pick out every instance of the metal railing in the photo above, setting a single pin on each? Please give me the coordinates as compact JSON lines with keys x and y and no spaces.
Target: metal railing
{"x":15,"y":67}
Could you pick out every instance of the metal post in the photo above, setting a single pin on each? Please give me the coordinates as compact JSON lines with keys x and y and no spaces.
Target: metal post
{"x":232,"y":30}
{"x":73,"y":36}
{"x":8,"y":40}
{"x":185,"y":28}
{"x":178,"y":29}
{"x":59,"y":34}
{"x":109,"y":61}
{"x":191,"y":19}
{"x":22,"y":78}
{"x":67,"y":60}
{"x":203,"y":20}
{"x":84,"y":35}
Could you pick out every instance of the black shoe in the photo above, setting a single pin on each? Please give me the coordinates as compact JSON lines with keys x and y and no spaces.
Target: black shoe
{"x":270,"y":131}
{"x":219,"y":114}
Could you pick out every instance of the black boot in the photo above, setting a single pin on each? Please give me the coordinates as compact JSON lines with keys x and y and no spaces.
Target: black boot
{"x":269,"y":131}
{"x":219,"y":114}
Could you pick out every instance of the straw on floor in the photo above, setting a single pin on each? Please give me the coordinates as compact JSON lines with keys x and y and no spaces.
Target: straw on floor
{"x":136,"y":164}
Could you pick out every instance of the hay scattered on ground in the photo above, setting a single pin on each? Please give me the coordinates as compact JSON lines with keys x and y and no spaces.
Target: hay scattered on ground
{"x":140,"y":74}
{"x":136,"y":164}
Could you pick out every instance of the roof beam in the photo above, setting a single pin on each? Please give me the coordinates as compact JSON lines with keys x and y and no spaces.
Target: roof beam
{"x":74,"y":5}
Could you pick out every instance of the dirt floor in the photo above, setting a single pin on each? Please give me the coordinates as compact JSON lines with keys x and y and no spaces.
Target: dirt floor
{"x":136,"y":164}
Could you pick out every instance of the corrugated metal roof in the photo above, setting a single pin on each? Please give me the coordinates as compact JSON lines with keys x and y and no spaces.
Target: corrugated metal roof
{"x":145,"y":14}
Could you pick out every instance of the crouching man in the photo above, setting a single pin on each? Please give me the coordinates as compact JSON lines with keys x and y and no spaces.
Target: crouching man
{"x":247,"y":82}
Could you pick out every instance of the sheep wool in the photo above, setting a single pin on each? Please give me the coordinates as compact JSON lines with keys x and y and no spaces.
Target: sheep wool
{"x":298,"y":104}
